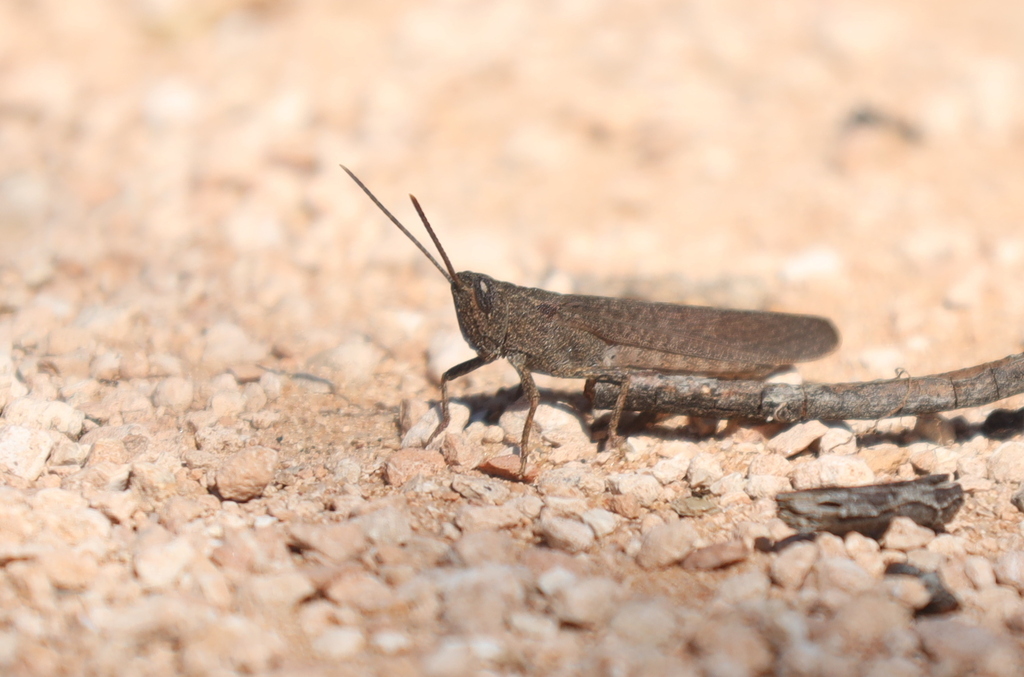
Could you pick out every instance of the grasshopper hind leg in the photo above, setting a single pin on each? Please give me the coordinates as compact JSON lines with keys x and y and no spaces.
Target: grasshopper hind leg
{"x":533,"y":395}
{"x":615,"y":440}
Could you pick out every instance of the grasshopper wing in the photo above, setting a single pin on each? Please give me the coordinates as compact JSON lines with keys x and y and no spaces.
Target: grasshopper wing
{"x":698,"y":339}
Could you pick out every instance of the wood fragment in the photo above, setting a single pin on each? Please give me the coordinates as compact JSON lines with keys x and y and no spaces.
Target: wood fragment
{"x":865,"y":400}
{"x":931,"y":501}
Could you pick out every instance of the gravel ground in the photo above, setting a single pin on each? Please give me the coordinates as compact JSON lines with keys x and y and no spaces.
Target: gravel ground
{"x":218,"y":360}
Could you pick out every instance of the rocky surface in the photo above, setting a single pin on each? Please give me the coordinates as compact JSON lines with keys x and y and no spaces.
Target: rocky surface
{"x":218,"y":360}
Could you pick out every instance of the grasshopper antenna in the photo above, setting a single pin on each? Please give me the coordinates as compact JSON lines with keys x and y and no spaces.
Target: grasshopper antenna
{"x":437,"y":243}
{"x":452,"y":277}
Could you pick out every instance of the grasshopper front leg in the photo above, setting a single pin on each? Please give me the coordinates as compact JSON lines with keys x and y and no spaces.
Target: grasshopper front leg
{"x":454,"y":373}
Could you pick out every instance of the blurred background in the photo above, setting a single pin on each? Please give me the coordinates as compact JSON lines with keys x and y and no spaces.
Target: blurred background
{"x":860,"y":160}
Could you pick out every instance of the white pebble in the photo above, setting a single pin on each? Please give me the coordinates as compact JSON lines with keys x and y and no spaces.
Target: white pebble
{"x":704,"y":470}
{"x":159,"y":565}
{"x":586,"y":603}
{"x":228,"y":344}
{"x":339,"y":643}
{"x":1006,"y":464}
{"x":904,"y":534}
{"x":671,"y":469}
{"x":24,"y":451}
{"x":797,"y":438}
{"x":45,"y":415}
{"x":602,"y":521}
{"x":175,"y":393}
{"x":791,"y":566}
{"x":645,"y":488}
{"x":351,"y":363}
{"x":425,"y":427}
{"x":832,"y":471}
{"x":1009,"y":569}
{"x":565,"y":534}
{"x":667,"y":544}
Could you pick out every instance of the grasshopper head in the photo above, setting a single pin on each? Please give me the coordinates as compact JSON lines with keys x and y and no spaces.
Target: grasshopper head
{"x":482,"y":312}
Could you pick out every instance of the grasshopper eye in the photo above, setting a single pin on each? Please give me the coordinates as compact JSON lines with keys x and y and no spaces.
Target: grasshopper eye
{"x":484,"y":294}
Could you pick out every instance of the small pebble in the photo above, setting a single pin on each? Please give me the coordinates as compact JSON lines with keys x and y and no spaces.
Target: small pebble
{"x":743,"y":588}
{"x":159,"y":565}
{"x":797,"y":438}
{"x":832,"y":471}
{"x":281,"y":591}
{"x":1009,"y":569}
{"x":162,"y":365}
{"x":405,"y":464}
{"x":105,"y":367}
{"x":904,"y":534}
{"x":418,"y":435}
{"x":338,"y":644}
{"x":351,"y":363}
{"x":910,"y":591}
{"x":154,"y":484}
{"x":667,"y":544}
{"x":704,"y":470}
{"x":770,"y":464}
{"x":387,"y":526}
{"x":477,"y":600}
{"x":69,"y":569}
{"x":460,"y":451}
{"x":733,"y":483}
{"x":838,"y":440}
{"x":601,"y":521}
{"x":931,"y":460}
{"x":766,"y":486}
{"x":841,"y":575}
{"x":533,"y":626}
{"x":487,"y":517}
{"x":980,"y":572}
{"x":508,"y":466}
{"x":228,"y":344}
{"x":672,"y":469}
{"x":645,"y":488}
{"x":791,"y":566}
{"x":227,"y":403}
{"x":24,"y":451}
{"x":272,"y":385}
{"x":359,"y":590}
{"x":245,"y":474}
{"x":560,"y":426}
{"x":645,"y":622}
{"x":588,"y":602}
{"x":119,"y":506}
{"x":865,"y":622}
{"x":45,"y":415}
{"x":716,"y":556}
{"x":480,"y":489}
{"x":728,"y":646}
{"x":390,"y":642}
{"x":963,"y":649}
{"x":338,"y":542}
{"x":480,"y":547}
{"x":1006,"y":464}
{"x":565,"y":534}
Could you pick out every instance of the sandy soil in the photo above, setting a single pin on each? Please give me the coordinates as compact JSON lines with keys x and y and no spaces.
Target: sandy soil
{"x":212,"y":343}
